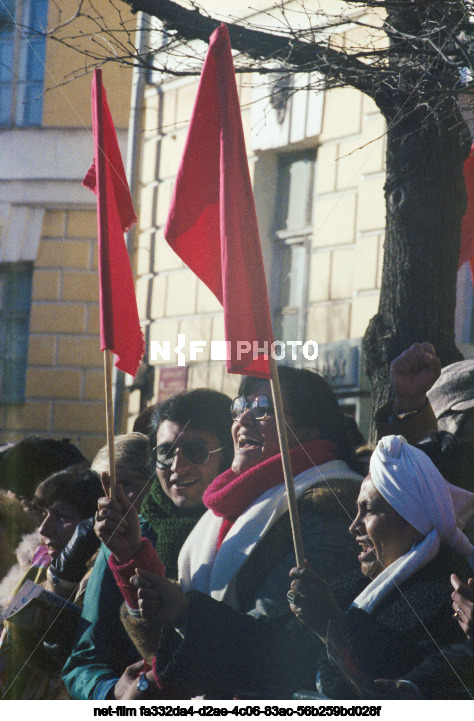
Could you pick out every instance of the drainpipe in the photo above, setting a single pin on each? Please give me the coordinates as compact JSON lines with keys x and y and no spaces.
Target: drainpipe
{"x":132,"y":168}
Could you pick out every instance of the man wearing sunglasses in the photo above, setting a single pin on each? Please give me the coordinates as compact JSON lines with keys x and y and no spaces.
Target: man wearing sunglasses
{"x":229,"y":633}
{"x":191,"y":440}
{"x":187,"y":460}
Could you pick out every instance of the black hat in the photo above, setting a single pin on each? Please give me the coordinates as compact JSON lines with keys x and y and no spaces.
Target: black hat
{"x":24,"y":464}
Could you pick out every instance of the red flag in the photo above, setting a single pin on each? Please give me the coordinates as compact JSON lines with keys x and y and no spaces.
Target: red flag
{"x":119,"y":324}
{"x":467,"y":228}
{"x":212,"y":223}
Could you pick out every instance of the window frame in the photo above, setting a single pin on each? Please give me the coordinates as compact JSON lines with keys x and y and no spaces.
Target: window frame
{"x":285,"y":239}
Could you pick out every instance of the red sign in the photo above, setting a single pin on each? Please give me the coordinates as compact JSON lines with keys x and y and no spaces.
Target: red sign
{"x":173,"y":380}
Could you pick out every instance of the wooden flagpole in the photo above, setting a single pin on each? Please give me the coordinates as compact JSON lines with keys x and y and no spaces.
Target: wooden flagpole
{"x":109,"y":419}
{"x":285,"y":458}
{"x":115,"y":275}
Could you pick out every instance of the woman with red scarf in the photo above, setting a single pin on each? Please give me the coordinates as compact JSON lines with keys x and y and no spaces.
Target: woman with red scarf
{"x":226,"y":629}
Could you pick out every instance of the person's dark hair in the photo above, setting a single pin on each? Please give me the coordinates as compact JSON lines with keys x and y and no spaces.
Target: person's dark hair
{"x":312,"y":402}
{"x":202,"y":409}
{"x":143,"y":423}
{"x":452,"y":456}
{"x":25,"y":463}
{"x":353,"y":431}
{"x":77,"y":485}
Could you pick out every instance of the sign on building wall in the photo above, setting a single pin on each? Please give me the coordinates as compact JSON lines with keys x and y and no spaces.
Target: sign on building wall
{"x":172,"y":380}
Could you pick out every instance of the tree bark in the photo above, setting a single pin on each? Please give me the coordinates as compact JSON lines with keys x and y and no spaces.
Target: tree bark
{"x":425,"y":202}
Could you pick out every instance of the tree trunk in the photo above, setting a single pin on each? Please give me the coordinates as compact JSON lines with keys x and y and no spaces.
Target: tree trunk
{"x":425,"y":202}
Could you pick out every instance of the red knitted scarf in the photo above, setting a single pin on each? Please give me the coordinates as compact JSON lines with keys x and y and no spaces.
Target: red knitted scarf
{"x":230,"y":494}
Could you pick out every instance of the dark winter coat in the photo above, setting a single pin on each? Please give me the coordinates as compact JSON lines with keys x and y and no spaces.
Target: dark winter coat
{"x":408,"y":625}
{"x":260,"y":649}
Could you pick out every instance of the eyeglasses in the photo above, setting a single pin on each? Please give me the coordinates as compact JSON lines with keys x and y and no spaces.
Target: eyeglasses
{"x":260,"y":407}
{"x":195,"y":451}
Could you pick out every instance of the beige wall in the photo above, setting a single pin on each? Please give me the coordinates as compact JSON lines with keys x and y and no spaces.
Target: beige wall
{"x":348,"y":218}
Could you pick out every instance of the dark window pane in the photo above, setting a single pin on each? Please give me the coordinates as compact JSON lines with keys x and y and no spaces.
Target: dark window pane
{"x":13,"y":388}
{"x":284,"y":263}
{"x":295,"y":190}
{"x":5,"y":104}
{"x":7,"y":16}
{"x":289,"y":326}
{"x":16,"y":338}
{"x":15,"y":304}
{"x":6,"y":59}
{"x":18,"y":289}
{"x":35,"y":60}
{"x":25,"y":67}
{"x":38,"y":12}
{"x":293,"y":221}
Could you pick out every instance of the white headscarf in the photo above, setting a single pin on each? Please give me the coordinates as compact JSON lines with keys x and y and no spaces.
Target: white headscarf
{"x":414,"y":487}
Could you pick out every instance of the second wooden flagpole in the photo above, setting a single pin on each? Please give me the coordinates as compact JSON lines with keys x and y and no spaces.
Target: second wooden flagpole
{"x":285,"y":458}
{"x":109,"y":418}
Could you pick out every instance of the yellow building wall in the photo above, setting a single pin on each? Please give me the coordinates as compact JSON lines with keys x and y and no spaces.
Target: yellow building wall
{"x":64,"y":395}
{"x":64,"y":384}
{"x":67,"y":81}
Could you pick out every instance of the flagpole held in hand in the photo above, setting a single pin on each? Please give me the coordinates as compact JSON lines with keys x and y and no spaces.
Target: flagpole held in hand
{"x":212,"y":226}
{"x":285,"y":459}
{"x":109,"y":419}
{"x":120,"y":330}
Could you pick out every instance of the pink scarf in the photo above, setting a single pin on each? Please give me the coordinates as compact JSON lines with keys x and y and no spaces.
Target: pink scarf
{"x":230,"y":494}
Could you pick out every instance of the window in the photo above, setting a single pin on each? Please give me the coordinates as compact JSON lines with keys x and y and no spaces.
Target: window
{"x":22,"y":58}
{"x":15,"y":303}
{"x":293,"y":243}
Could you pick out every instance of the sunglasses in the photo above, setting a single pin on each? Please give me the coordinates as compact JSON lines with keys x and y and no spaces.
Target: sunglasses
{"x":260,"y":407}
{"x":195,"y":451}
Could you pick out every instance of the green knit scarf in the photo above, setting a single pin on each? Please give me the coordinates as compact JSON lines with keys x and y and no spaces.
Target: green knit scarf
{"x":171,"y":524}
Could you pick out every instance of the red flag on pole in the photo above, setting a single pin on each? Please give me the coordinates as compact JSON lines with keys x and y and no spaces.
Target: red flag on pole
{"x":467,"y":228}
{"x":119,"y":324}
{"x":212,"y":223}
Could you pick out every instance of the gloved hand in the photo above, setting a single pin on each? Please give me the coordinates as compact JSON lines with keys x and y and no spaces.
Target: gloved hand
{"x":71,"y":564}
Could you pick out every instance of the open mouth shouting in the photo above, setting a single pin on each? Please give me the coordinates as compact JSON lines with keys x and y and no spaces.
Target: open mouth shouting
{"x":367,"y":553}
{"x":246,"y":442}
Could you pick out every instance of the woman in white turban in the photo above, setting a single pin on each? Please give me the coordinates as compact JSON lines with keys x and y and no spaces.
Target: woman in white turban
{"x":396,"y":611}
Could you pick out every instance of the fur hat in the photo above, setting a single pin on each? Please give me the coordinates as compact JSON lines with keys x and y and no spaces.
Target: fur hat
{"x":452,"y":396}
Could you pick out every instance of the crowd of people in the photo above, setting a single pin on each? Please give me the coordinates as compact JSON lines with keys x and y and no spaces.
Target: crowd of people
{"x":180,"y":581}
